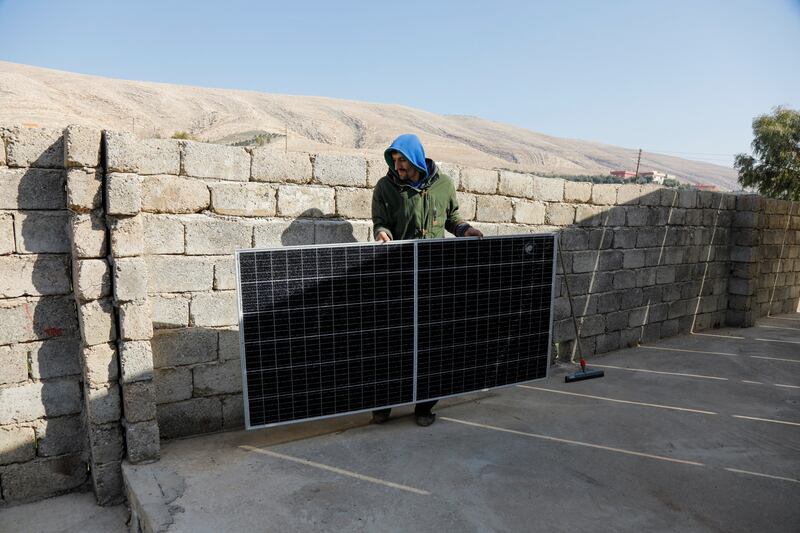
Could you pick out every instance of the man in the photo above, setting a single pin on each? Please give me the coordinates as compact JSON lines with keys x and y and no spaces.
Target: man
{"x":414,"y":201}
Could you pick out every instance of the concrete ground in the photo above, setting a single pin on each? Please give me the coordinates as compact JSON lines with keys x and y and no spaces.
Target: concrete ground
{"x":696,"y":433}
{"x":72,"y":512}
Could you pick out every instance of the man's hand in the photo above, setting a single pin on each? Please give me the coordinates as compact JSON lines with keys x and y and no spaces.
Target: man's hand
{"x":383,"y":237}
{"x":473,"y":232}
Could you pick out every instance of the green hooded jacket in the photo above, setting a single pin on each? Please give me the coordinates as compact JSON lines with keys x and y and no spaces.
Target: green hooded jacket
{"x":423,"y":212}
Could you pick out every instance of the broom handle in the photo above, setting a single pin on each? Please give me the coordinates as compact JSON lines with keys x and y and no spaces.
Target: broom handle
{"x":569,"y":299}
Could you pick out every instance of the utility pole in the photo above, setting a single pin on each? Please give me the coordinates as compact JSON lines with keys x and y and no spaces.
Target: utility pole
{"x":638,"y":160}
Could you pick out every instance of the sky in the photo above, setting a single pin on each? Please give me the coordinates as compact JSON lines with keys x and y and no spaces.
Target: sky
{"x":679,"y":77}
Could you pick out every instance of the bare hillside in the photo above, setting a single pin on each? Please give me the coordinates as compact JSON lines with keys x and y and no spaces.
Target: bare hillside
{"x":50,"y":98}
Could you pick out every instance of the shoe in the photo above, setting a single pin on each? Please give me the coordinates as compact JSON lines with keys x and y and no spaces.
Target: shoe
{"x":380,"y":416}
{"x":425,"y":419}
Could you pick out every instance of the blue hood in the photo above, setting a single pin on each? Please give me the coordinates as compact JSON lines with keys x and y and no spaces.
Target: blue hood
{"x":410,"y":146}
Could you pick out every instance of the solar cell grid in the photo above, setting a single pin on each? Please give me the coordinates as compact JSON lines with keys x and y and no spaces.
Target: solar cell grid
{"x":334,"y":329}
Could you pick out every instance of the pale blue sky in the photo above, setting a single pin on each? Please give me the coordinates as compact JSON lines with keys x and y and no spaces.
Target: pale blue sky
{"x":683,"y":77}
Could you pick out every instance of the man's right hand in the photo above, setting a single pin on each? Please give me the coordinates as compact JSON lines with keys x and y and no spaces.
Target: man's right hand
{"x":382,"y":237}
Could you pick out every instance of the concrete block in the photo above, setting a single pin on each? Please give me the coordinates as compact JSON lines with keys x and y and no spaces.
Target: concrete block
{"x":123,"y":194}
{"x":631,"y":298}
{"x":139,"y":401}
{"x":589,"y":326}
{"x":31,"y":319}
{"x":190,"y":417}
{"x":135,"y":320}
{"x":103,"y":404}
{"x":516,"y":184}
{"x":162,"y":234}
{"x":377,"y":168}
{"x":340,"y":169}
{"x":97,"y":323}
{"x":179,"y":273}
{"x":233,"y":412}
{"x":529,"y":212}
{"x":280,"y":167}
{"x":604,"y":194}
{"x":84,"y":190}
{"x":215,"y":236}
{"x":665,"y":274}
{"x":34,"y":275}
{"x":35,"y":147}
{"x":127,"y":236}
{"x":88,"y":236}
{"x":81,"y":146}
{"x":270,"y":234}
{"x":106,"y":442}
{"x":100,"y":365}
{"x":29,"y":401}
{"x":32,"y":189}
{"x":573,"y":239}
{"x":17,"y":444}
{"x":7,"y":240}
{"x":136,"y":361}
{"x":107,"y":483}
{"x":548,"y":189}
{"x":637,"y":216}
{"x":54,"y":358}
{"x":479,"y":180}
{"x":173,"y":384}
{"x":624,"y":238}
{"x":173,"y":194}
{"x":333,"y":231}
{"x":633,"y":259}
{"x":560,"y":214}
{"x":186,"y":346}
{"x":629,"y":194}
{"x":243,"y":199}
{"x":143,"y":441}
{"x":353,"y":202}
{"x":169,"y":310}
{"x":687,"y":199}
{"x":607,"y":342}
{"x":130,"y":279}
{"x":58,"y":436}
{"x":201,"y":160}
{"x":224,"y":273}
{"x":217,"y":378}
{"x":577,"y":192}
{"x":126,"y":153}
{"x":589,"y":215}
{"x":13,"y":364}
{"x":41,"y":232}
{"x":35,"y":480}
{"x":229,"y":346}
{"x":494,"y":209}
{"x":624,"y":279}
{"x":91,"y":279}
{"x":218,"y":308}
{"x":294,"y":201}
{"x":445,"y":169}
{"x":467,"y":205}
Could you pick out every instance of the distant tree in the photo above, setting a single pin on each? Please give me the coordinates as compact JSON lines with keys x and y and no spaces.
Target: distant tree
{"x":182,"y":135}
{"x":774,"y":168}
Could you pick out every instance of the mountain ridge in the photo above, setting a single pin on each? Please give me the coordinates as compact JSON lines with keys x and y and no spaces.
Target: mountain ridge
{"x":52,"y":98}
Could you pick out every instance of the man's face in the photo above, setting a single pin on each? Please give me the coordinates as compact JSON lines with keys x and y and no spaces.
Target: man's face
{"x":404,"y":168}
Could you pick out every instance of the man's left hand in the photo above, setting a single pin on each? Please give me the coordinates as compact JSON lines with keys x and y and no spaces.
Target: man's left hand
{"x":473,"y":232}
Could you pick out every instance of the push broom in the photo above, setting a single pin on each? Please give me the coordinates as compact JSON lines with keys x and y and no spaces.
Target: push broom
{"x":583,"y":373}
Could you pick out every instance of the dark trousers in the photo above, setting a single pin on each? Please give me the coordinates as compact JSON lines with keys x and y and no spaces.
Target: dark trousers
{"x":419,"y":409}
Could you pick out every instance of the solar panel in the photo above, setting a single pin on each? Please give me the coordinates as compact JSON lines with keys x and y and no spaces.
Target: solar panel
{"x":334,"y":329}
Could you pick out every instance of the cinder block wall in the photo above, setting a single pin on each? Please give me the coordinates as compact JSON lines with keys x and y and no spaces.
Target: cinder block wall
{"x":146,"y":230}
{"x":43,"y":439}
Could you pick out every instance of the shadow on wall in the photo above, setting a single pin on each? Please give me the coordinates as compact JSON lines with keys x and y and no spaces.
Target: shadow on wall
{"x":311,"y":228}
{"x":43,"y":323}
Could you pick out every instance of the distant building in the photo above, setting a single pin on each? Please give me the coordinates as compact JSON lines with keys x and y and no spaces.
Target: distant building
{"x":658,"y":177}
{"x":706,"y":187}
{"x":624,"y":174}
